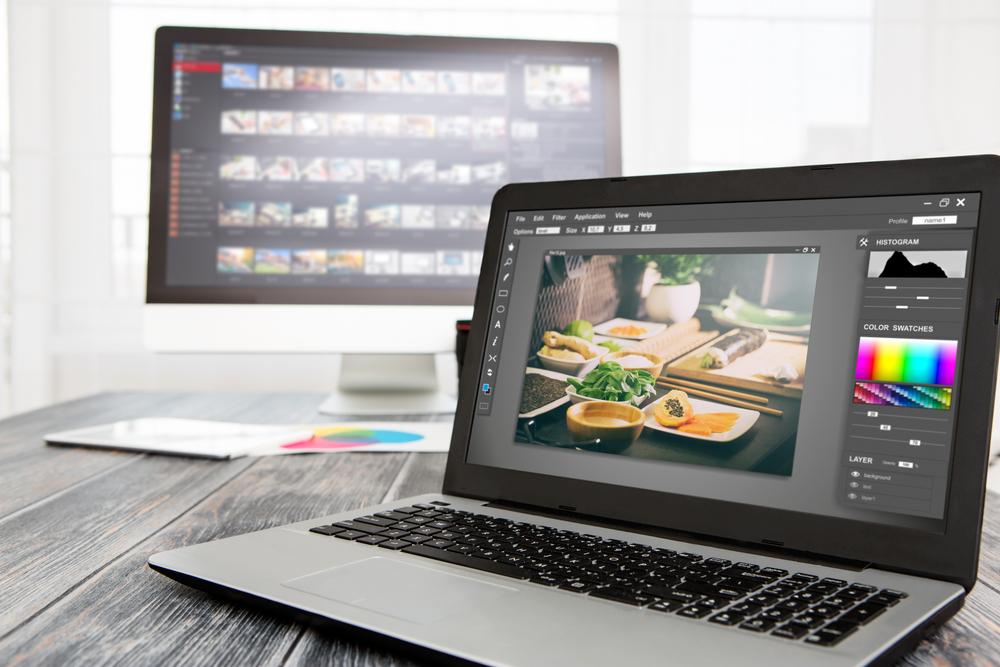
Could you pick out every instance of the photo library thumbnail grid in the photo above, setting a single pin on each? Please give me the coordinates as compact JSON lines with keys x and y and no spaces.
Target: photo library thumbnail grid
{"x":546,"y":85}
{"x":319,"y":261}
{"x":283,"y":123}
{"x":346,"y":215}
{"x":313,"y":169}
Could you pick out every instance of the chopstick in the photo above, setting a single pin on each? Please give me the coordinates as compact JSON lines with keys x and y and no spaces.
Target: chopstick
{"x":722,"y":399}
{"x":716,"y":390}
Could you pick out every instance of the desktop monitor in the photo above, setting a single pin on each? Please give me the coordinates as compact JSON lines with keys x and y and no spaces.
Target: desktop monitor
{"x":329,"y":192}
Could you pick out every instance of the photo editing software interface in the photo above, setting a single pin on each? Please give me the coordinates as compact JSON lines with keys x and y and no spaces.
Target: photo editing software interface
{"x":362,"y":168}
{"x":801,"y":355}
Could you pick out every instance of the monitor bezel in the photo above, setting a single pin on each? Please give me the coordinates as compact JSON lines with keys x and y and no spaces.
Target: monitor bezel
{"x":951,"y":555}
{"x":157,"y":289}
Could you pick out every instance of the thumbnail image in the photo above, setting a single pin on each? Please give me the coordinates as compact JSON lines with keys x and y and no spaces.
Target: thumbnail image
{"x":455,"y":174}
{"x":558,"y":87}
{"x":236,"y":213}
{"x":347,"y":170}
{"x":239,"y":121}
{"x":309,"y":261}
{"x":489,"y":127}
{"x":310,"y":217}
{"x":345,"y":211}
{"x":238,"y":168}
{"x":273,"y":260}
{"x":523,"y":130}
{"x":276,"y":77}
{"x":313,"y":169}
{"x":490,"y":172}
{"x":902,"y":395}
{"x":385,"y":216}
{"x":239,"y":75}
{"x":381,"y":262}
{"x":274,"y":214}
{"x":610,"y":332}
{"x":382,"y":124}
{"x":343,"y":262}
{"x":418,"y":171}
{"x":453,"y":263}
{"x":489,"y":83}
{"x":311,"y":124}
{"x":347,"y":80}
{"x":382,"y":170}
{"x":416,"y":263}
{"x":234,"y":260}
{"x":422,"y":82}
{"x":917,"y":264}
{"x":417,"y":216}
{"x":312,"y":78}
{"x":907,"y":360}
{"x":417,"y":127}
{"x":454,"y":127}
{"x":347,"y":124}
{"x":454,"y":83}
{"x":274,"y":122}
{"x":383,"y":81}
{"x":480,"y":218}
{"x":276,"y":168}
{"x":453,"y":217}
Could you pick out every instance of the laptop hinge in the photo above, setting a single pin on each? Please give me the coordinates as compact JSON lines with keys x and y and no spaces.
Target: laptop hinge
{"x":765,"y":547}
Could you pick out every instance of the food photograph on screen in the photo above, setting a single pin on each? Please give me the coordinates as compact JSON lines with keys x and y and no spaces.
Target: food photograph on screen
{"x":688,"y":357}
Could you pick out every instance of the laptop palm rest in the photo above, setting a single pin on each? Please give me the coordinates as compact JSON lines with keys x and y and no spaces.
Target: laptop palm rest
{"x":404,"y":591}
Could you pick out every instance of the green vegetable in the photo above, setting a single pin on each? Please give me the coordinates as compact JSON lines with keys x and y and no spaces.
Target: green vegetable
{"x":580,"y":328}
{"x":611,"y":345}
{"x":751,"y":312}
{"x":610,"y":382}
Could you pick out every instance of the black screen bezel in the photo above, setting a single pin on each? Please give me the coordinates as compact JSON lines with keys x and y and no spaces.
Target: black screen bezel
{"x":157,"y":289}
{"x":951,"y":555}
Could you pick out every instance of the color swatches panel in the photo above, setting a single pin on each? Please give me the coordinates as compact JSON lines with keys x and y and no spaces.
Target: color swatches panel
{"x":907,"y":360}
{"x":902,"y":396}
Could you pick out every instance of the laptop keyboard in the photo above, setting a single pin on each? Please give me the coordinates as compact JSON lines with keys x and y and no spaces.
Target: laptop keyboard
{"x":793,"y":606}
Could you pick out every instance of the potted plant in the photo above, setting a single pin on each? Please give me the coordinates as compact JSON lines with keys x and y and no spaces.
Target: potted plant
{"x":676,"y":293}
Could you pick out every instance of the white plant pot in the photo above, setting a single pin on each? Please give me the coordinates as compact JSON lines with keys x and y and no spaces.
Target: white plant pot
{"x":673,"y":303}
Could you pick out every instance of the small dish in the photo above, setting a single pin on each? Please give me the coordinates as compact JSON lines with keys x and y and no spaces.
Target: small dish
{"x":562,"y":400}
{"x":615,"y":424}
{"x":747,"y":418}
{"x":577,"y":368}
{"x":611,"y":328}
{"x":655,"y":367}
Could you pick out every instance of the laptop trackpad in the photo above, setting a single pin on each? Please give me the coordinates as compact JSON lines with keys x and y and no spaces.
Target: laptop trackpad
{"x":401,"y":590}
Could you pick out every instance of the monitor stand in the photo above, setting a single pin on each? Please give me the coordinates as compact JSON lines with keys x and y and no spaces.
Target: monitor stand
{"x":388,"y":384}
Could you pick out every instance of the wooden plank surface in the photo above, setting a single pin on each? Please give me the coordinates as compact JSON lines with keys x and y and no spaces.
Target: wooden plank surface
{"x":78,"y":525}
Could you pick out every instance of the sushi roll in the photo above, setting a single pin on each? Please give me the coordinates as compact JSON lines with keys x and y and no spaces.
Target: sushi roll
{"x":732,"y":346}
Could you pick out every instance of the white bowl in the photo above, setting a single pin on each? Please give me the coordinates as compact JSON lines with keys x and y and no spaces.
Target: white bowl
{"x":577,"y":398}
{"x":577,"y":368}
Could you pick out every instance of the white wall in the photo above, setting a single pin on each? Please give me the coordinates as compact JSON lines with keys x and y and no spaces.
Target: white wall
{"x":706,"y":84}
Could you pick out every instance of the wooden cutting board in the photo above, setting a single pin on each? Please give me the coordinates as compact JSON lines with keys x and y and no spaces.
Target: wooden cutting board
{"x":743,"y":373}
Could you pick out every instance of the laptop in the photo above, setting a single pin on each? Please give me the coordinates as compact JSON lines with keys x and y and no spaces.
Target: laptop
{"x":706,"y":417}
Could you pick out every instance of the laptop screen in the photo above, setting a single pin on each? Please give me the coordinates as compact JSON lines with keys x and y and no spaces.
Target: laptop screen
{"x":801,"y":355}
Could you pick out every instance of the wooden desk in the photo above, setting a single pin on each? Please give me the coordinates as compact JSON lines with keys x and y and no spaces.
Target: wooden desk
{"x":76,"y":527}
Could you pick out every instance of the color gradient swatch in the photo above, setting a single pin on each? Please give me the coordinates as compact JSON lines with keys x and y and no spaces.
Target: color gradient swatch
{"x":907,"y":360}
{"x":902,"y":396}
{"x":342,"y":437}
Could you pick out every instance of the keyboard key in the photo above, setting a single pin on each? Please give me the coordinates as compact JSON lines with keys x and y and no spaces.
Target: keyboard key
{"x":725,"y":618}
{"x":801,"y":576}
{"x":775,"y":614}
{"x":789,"y":631}
{"x":424,"y":506}
{"x":666,"y":605}
{"x":884,"y":600}
{"x":899,"y":595}
{"x":863,"y":613}
{"x":838,"y":602}
{"x":824,"y":638}
{"x":757,"y":624}
{"x":395,"y":516}
{"x":407,"y":510}
{"x":395,"y":545}
{"x":622,"y":595}
{"x":326,"y":530}
{"x":695,"y":611}
{"x":438,"y":544}
{"x":362,"y":527}
{"x":744,"y":609}
{"x":373,"y":539}
{"x":376,"y":521}
{"x":683,"y":596}
{"x":808,"y":620}
{"x":808,"y":597}
{"x":350,"y":534}
{"x":465,"y":561}
{"x":426,"y":530}
{"x":773,"y":572}
{"x":791,"y":604}
{"x":416,"y":539}
{"x":403,"y":525}
{"x":825,"y":610}
{"x":579,"y":586}
{"x":394,"y":533}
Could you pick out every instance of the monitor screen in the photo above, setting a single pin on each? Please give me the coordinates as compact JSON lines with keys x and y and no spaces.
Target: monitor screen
{"x":361,"y":172}
{"x":801,"y":355}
